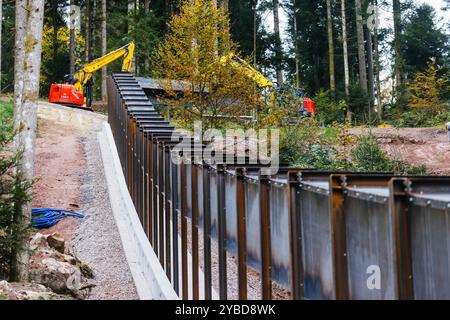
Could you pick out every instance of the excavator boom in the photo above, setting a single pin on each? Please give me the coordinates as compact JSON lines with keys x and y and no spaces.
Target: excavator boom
{"x":78,"y":92}
{"x":307,"y":107}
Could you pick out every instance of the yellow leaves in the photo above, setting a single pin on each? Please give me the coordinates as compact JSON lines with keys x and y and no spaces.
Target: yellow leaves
{"x":426,"y":89}
{"x":198,"y":36}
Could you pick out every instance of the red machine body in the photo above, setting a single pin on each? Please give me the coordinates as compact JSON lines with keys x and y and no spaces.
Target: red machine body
{"x":66,"y":94}
{"x":310,"y":106}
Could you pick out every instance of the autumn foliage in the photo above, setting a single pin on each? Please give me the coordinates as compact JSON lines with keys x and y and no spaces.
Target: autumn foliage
{"x":426,"y":92}
{"x":213,"y":92}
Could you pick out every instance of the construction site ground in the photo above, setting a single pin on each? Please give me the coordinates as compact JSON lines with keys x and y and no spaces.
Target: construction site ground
{"x":416,"y":146}
{"x":70,"y":175}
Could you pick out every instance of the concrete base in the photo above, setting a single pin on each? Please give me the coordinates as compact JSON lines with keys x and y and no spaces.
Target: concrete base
{"x":149,"y":277}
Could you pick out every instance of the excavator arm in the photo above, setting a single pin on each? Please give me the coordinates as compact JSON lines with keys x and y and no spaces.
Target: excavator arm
{"x":275,"y":94}
{"x":84,"y":75}
{"x":250,"y":72}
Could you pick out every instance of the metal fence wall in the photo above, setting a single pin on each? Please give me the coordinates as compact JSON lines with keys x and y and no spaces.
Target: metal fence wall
{"x":301,"y":234}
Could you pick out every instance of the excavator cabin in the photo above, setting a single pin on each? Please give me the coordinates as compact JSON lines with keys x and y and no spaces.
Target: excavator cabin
{"x":76,"y":91}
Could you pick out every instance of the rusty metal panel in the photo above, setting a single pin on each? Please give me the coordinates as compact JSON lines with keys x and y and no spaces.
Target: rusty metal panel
{"x":430,"y":252}
{"x":429,"y":214}
{"x":230,"y":203}
{"x":253,"y":223}
{"x":279,"y":228}
{"x":317,"y":242}
{"x":369,"y":243}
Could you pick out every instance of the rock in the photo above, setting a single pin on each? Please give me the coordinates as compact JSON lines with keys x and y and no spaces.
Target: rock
{"x":70,"y":259}
{"x":27,"y":291}
{"x":62,"y":277}
{"x":38,"y":241}
{"x":56,"y":241}
{"x":85,"y":270}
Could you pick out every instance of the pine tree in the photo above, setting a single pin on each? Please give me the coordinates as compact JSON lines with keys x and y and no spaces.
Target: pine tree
{"x":423,"y":40}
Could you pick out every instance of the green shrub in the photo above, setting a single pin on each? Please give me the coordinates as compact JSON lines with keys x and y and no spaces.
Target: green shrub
{"x":367,"y":156}
{"x":307,"y":145}
{"x":6,"y":115}
{"x":327,"y":109}
{"x":421,"y":118}
{"x":13,"y":192}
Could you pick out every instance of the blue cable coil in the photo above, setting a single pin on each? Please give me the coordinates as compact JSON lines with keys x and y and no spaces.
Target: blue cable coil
{"x":45,"y":218}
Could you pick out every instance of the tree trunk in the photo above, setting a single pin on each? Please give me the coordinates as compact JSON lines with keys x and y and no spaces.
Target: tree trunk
{"x":345,"y":49}
{"x":104,"y":50}
{"x":21,"y":15}
{"x":147,"y":60}
{"x":72,"y":38}
{"x":377,"y":75}
{"x":278,"y":46}
{"x":398,"y":66}
{"x":297,"y":60}
{"x":370,"y":68}
{"x":30,"y":15}
{"x":136,"y":13}
{"x":330,"y":48}
{"x":361,"y":50}
{"x":131,"y":11}
{"x":255,"y":31}
{"x":55,"y":36}
{"x":88,"y":23}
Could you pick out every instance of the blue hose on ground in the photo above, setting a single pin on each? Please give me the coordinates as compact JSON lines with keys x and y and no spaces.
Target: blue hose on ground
{"x":45,"y":218}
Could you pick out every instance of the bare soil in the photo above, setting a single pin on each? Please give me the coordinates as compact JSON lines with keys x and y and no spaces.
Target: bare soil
{"x":59,"y":165}
{"x":416,"y":146}
{"x":70,"y":176}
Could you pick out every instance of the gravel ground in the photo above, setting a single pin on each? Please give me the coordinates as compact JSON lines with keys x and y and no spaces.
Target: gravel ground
{"x":97,"y":240}
{"x":253,"y":276}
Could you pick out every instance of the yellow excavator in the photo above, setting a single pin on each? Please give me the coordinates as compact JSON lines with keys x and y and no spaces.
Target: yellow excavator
{"x":77,"y":89}
{"x":275,"y":94}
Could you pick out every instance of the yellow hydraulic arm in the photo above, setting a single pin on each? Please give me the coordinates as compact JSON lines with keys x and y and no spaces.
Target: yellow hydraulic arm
{"x":82,"y":76}
{"x":250,"y":72}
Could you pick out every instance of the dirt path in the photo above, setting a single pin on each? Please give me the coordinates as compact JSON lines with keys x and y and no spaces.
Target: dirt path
{"x":417,"y":146}
{"x":59,"y":166}
{"x":70,"y":175}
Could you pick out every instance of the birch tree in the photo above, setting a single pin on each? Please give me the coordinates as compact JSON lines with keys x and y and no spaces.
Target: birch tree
{"x":104,"y":50}
{"x":29,"y":25}
{"x":330,"y":47}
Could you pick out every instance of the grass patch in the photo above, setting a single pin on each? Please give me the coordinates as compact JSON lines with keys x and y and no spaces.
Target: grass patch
{"x":6,"y":119}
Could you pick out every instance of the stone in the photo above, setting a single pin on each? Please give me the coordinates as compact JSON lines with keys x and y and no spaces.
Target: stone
{"x":38,"y":241}
{"x":56,"y":241}
{"x":27,"y":291}
{"x":61,"y":277}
